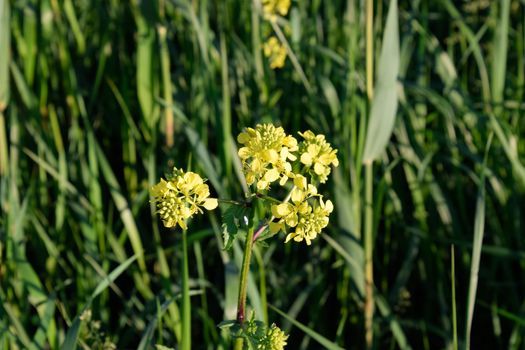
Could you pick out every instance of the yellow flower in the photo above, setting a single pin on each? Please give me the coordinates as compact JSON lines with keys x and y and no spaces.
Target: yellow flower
{"x":298,"y":214}
{"x":272,"y":7}
{"x":274,"y":339}
{"x":275,"y":51}
{"x":317,"y":155}
{"x":289,"y":212}
{"x":181,"y":197}
{"x":312,"y":223}
{"x":266,"y":154}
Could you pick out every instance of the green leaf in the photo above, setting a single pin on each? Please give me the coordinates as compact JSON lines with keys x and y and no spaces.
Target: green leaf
{"x":234,"y":218}
{"x":384,"y":103}
{"x":70,"y":343}
{"x":5,"y":38}
{"x":313,"y":334}
{"x":162,"y":347}
{"x":227,"y":324}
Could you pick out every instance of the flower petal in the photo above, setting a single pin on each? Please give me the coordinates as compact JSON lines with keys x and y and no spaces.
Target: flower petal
{"x":210,"y":203}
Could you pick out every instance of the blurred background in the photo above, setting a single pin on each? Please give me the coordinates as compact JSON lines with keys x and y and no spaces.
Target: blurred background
{"x":99,"y":99}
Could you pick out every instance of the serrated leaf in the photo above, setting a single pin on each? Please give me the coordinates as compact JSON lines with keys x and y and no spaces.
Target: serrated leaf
{"x":234,"y":218}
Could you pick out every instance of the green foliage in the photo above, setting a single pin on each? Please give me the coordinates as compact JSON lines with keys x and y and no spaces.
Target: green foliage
{"x":235,"y":218}
{"x":98,"y":99}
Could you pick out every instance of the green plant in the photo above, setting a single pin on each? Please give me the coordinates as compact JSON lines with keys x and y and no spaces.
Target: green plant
{"x":268,"y":156}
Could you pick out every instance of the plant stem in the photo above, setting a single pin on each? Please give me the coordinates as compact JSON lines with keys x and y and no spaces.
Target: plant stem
{"x":369,"y":49}
{"x":369,"y":169}
{"x":369,"y":267}
{"x":243,"y":284}
{"x":186,"y":305}
{"x":264,"y":226}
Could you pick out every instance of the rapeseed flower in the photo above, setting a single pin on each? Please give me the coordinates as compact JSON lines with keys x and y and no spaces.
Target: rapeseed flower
{"x":273,"y":7}
{"x":317,"y":155}
{"x":312,"y":223}
{"x":180,"y":197}
{"x":266,"y":154}
{"x":305,"y":220}
{"x":275,"y":51}
{"x":289,"y":212}
{"x":274,"y":339}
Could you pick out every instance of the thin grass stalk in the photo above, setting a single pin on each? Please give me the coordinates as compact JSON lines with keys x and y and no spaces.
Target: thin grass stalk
{"x":368,"y":222}
{"x":454,"y":310}
{"x":166,"y":85}
{"x":4,"y":160}
{"x":5,"y":38}
{"x":256,"y":41}
{"x":186,"y":305}
{"x":243,"y":285}
{"x":369,"y":267}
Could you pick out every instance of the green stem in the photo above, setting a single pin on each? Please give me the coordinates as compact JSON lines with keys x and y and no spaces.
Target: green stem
{"x":243,"y":285}
{"x":369,"y":169}
{"x":186,"y":305}
{"x":369,"y":267}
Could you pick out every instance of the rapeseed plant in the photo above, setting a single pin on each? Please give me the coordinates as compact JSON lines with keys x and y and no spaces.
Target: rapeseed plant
{"x":267,"y":155}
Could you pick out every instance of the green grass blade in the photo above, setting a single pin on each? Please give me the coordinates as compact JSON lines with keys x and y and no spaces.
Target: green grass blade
{"x":310,"y":332}
{"x":477,"y":244}
{"x":395,"y":327}
{"x":384,"y":103}
{"x":71,"y":339}
{"x":454,"y":308}
{"x":5,"y":56}
{"x":499,"y":58}
{"x":123,"y":208}
{"x":75,"y":26}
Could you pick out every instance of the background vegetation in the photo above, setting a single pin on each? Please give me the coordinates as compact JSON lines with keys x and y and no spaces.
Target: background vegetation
{"x":98,"y":99}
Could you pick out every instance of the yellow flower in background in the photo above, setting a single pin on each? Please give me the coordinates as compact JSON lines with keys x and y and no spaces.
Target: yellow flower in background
{"x":274,"y":339}
{"x":273,"y":7}
{"x":275,"y":51}
{"x":179,"y":198}
{"x":317,"y":155}
{"x":266,"y":154}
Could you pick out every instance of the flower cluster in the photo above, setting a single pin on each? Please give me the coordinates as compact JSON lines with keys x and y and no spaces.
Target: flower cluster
{"x":275,"y":51}
{"x":268,"y":155}
{"x":180,"y":197}
{"x":273,"y":7}
{"x":274,"y":339}
{"x":262,"y":337}
{"x":273,"y":48}
{"x":305,"y":220}
{"x":317,"y":155}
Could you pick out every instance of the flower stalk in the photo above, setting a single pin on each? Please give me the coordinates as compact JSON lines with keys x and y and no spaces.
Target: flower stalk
{"x":243,"y":285}
{"x":369,"y":169}
{"x":186,"y":305}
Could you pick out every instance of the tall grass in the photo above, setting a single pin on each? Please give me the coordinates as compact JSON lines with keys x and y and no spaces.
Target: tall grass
{"x":99,"y":99}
